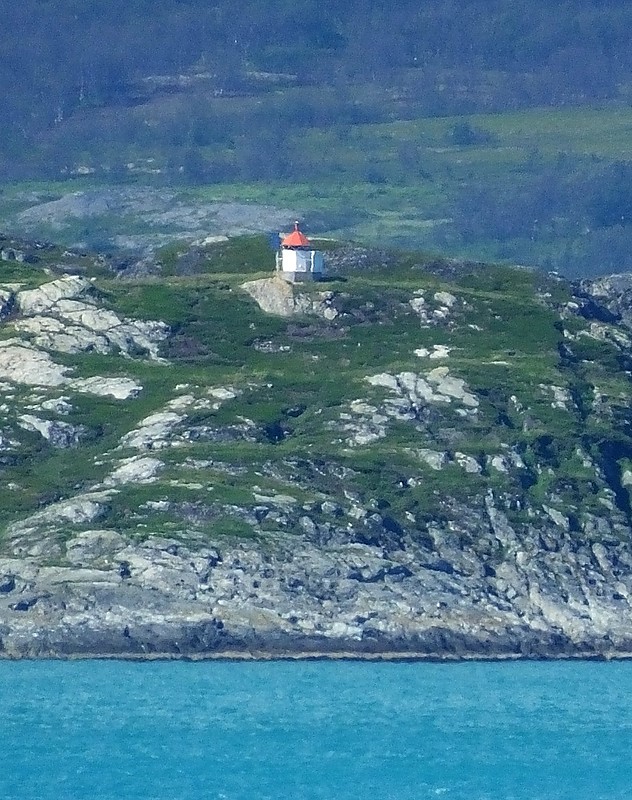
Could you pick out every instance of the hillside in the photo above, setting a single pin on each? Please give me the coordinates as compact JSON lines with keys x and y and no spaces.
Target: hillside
{"x":487,"y":130}
{"x":417,"y":456}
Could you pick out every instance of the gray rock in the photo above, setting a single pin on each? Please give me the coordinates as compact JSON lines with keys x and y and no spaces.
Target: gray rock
{"x":59,"y":434}
{"x":6,"y":302}
{"x":445,"y":299}
{"x":433,"y":458}
{"x":416,"y":391}
{"x":161,"y":597}
{"x":276,"y":296}
{"x":58,"y":405}
{"x":92,"y":546}
{"x":22,"y":363}
{"x":62,"y":315}
{"x":558,"y":518}
{"x":119,"y":388}
{"x":154,"y":432}
{"x":11,"y":254}
{"x":138,"y":469}
{"x":468,"y":463}
{"x":81,"y":509}
{"x":35,"y":301}
{"x":499,"y":463}
{"x":438,"y":352}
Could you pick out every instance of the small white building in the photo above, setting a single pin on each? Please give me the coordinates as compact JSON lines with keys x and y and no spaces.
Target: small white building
{"x":296,"y":261}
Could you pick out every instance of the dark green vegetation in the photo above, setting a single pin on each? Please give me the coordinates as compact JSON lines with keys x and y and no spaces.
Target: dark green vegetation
{"x":492,"y":129}
{"x":290,"y":428}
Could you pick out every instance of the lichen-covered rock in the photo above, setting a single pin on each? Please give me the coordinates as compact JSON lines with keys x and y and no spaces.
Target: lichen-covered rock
{"x":22,"y":363}
{"x":42,"y":299}
{"x":412,"y":391}
{"x":63,"y":315}
{"x":59,"y":434}
{"x":277,"y":296}
{"x":136,"y":470}
{"x":119,"y":388}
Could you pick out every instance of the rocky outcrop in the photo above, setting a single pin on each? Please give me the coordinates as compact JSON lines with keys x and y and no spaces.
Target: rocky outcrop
{"x":119,"y":388}
{"x":379,"y":489}
{"x":437,"y":309}
{"x":45,"y":297}
{"x":21,"y":363}
{"x":608,"y":297}
{"x":59,"y":434}
{"x":160,"y":215}
{"x":412,"y":391}
{"x":410,"y":395}
{"x":507,"y":594}
{"x":277,"y":296}
{"x":63,"y":315}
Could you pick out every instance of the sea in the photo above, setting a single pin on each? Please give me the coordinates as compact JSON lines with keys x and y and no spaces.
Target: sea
{"x":315,"y":730}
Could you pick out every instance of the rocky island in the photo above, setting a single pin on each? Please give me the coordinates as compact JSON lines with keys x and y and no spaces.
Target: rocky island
{"x":416,"y":458}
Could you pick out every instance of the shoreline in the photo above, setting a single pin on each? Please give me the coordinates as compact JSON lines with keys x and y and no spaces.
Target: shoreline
{"x":266,"y":656}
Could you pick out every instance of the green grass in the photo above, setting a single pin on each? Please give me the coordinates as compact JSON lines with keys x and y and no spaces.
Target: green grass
{"x":388,"y":183}
{"x":294,"y":399}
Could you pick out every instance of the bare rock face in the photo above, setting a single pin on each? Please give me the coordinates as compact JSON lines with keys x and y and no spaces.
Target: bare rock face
{"x":408,"y":395}
{"x":273,"y":295}
{"x":613,"y":294}
{"x":277,"y":296}
{"x":435,"y":598}
{"x":136,"y":470}
{"x":63,"y":315}
{"x":59,"y":434}
{"x":45,"y":297}
{"x":27,"y":535}
{"x":411,"y":391}
{"x":22,"y":363}
{"x":119,"y":388}
{"x":162,"y":215}
{"x":92,"y":547}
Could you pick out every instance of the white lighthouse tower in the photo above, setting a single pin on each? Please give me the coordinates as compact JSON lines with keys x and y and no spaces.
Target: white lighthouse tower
{"x":296,"y":261}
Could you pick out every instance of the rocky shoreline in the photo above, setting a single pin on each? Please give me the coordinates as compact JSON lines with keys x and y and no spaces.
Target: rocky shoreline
{"x":209,"y":487}
{"x":392,"y":657}
{"x":389,"y":599}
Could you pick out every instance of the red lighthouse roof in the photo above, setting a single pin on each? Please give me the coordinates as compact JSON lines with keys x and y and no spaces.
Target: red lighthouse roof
{"x":295,"y":239}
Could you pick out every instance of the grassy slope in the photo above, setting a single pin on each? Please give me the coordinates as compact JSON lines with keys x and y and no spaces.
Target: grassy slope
{"x":510,"y":351}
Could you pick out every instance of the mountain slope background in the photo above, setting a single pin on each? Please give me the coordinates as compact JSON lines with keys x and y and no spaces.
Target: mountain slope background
{"x":494,"y":130}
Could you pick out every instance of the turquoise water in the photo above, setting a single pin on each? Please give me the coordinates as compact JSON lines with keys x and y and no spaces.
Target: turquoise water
{"x":306,"y":731}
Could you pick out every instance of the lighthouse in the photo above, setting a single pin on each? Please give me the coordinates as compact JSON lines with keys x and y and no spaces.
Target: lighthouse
{"x":296,"y":260}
